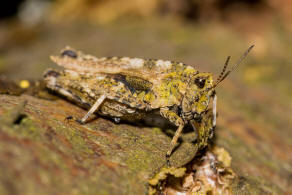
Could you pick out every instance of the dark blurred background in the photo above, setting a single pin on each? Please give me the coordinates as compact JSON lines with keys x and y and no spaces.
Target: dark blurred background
{"x":199,"y":33}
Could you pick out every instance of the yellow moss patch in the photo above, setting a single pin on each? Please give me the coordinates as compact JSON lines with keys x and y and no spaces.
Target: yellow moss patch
{"x":177,"y":172}
{"x":223,"y":156}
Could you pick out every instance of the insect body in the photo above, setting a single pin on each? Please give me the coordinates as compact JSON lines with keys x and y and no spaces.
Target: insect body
{"x":129,"y":88}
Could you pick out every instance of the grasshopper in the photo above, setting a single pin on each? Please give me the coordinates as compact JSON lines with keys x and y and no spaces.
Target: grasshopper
{"x":128,"y":89}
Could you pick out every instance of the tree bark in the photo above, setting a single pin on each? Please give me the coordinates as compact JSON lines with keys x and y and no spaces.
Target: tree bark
{"x":42,"y":153}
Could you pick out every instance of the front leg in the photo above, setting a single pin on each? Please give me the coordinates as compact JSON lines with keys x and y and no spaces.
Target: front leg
{"x":178,"y":121}
{"x":94,"y":108}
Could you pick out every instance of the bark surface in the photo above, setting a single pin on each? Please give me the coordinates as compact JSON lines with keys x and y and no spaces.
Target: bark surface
{"x":42,"y":153}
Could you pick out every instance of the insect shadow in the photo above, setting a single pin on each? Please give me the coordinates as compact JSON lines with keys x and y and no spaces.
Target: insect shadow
{"x":156,"y":120}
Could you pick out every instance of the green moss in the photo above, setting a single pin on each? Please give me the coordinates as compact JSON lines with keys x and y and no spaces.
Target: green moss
{"x":157,"y":130}
{"x":138,"y":160}
{"x":29,"y":129}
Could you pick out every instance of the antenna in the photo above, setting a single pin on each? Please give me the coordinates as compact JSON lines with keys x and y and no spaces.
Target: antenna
{"x":223,"y":70}
{"x":222,"y":76}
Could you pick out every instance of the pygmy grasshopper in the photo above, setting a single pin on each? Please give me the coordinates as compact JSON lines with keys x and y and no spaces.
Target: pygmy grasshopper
{"x":130,"y":88}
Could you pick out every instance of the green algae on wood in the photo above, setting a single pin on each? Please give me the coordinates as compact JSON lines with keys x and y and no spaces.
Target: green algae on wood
{"x":65,"y":157}
{"x":98,"y":158}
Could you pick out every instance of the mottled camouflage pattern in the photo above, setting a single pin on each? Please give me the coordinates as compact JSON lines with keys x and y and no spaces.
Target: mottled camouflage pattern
{"x":133,"y":87}
{"x":137,"y":83}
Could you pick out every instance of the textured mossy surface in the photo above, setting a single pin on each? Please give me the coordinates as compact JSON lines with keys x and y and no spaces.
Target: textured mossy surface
{"x":254,"y":106}
{"x":41,"y":152}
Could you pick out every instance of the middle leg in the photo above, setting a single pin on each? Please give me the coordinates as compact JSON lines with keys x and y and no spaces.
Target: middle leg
{"x":178,"y":121}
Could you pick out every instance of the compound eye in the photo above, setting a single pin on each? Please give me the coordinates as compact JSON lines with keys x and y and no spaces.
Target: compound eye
{"x":200,"y":82}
